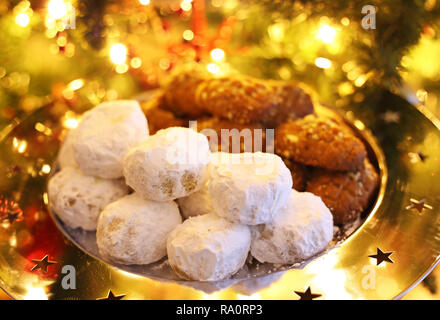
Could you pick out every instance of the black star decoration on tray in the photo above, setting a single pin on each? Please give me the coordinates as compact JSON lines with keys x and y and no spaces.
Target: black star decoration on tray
{"x":419,"y":205}
{"x":9,"y":210}
{"x":381,"y":256}
{"x":417,"y":157}
{"x":422,"y":156}
{"x":307,"y":295}
{"x":42,"y":264}
{"x":12,"y":217}
{"x":111,"y":296}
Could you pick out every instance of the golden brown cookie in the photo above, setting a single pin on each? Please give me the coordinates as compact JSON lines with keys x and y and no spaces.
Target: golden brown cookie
{"x":319,"y":142}
{"x":192,"y":91}
{"x":346,"y":194}
{"x":294,"y":102}
{"x":236,"y":98}
{"x":247,"y":100}
{"x":159,"y":118}
{"x":299,"y":174}
{"x":180,"y":91}
{"x":228,"y":135}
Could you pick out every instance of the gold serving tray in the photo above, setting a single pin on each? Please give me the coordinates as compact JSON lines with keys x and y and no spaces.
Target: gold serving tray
{"x":404,"y":144}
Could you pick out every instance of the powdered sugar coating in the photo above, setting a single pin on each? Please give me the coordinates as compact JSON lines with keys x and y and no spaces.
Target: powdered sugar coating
{"x":78,"y":199}
{"x":134,"y":230}
{"x":303,"y":228}
{"x":208,"y":248}
{"x":196,"y":203}
{"x":105,"y":134}
{"x":66,"y":155}
{"x":171,"y":164}
{"x":249,"y":188}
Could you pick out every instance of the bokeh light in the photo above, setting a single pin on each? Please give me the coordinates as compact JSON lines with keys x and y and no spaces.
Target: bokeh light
{"x":188,"y":35}
{"x":118,"y":53}
{"x":76,"y":84}
{"x":217,"y":54}
{"x":35,"y":294}
{"x":136,"y":62}
{"x":213,"y":68}
{"x":326,"y":33}
{"x":122,"y":68}
{"x":186,"y":5}
{"x":323,"y":63}
{"x":57,"y":9}
{"x":22,"y":19}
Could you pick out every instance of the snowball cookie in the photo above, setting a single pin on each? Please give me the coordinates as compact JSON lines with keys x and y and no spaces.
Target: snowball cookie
{"x":66,"y":156}
{"x":249,"y":188}
{"x":196,"y":203}
{"x":171,"y":164}
{"x":134,"y":230}
{"x":303,"y":228}
{"x":79,"y":199}
{"x":208,"y":248}
{"x":105,"y":134}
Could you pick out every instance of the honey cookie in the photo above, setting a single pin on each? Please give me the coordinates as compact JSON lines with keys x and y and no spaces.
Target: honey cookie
{"x":192,"y":91}
{"x":159,"y":118}
{"x":180,"y":91}
{"x":293,"y":103}
{"x":299,"y":174}
{"x":346,"y":194}
{"x":248,"y":100}
{"x":237,"y":98}
{"x":319,"y":142}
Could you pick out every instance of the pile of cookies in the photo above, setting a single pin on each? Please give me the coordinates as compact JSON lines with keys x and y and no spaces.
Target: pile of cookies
{"x":151,"y":196}
{"x":328,"y":160}
{"x":324,"y":155}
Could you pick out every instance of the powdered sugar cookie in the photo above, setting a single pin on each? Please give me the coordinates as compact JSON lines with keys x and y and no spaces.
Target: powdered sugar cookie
{"x":208,"y":248}
{"x":134,"y":230}
{"x":196,"y":203}
{"x":104,"y":136}
{"x":66,"y":156}
{"x":171,"y":164}
{"x":249,"y":188}
{"x":303,"y":228}
{"x":79,"y":199}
